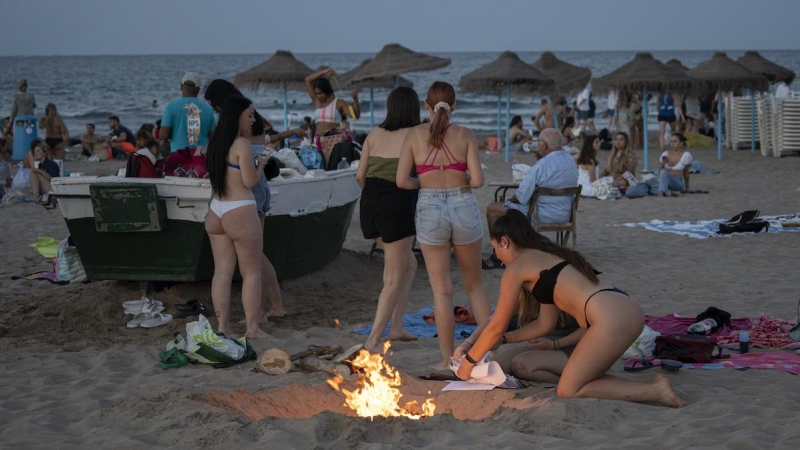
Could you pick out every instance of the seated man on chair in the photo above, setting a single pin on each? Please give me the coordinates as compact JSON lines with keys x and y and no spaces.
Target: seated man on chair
{"x":555,"y":170}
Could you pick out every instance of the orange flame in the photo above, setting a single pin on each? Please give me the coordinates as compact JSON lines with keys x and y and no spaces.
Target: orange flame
{"x":336,"y":322}
{"x":378,"y":394}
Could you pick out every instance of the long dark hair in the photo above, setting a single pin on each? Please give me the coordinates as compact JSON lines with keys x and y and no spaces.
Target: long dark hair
{"x":516,"y":120}
{"x":515,"y":226}
{"x":221,"y":141}
{"x":323,"y":85}
{"x":587,"y":155}
{"x":218,"y":90}
{"x":402,"y":109}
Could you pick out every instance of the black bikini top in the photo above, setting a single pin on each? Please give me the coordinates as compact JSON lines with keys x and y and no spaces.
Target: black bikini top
{"x":543,"y":289}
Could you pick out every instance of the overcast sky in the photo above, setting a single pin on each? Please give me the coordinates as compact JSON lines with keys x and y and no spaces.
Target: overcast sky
{"x":91,"y":27}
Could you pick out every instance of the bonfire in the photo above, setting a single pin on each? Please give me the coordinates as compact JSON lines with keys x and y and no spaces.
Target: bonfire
{"x":377,"y":393}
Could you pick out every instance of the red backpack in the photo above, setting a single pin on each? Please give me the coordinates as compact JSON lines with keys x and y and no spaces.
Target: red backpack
{"x":140,"y":166}
{"x":687,"y":348}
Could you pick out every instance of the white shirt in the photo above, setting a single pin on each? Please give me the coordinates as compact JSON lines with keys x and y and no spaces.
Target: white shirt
{"x":686,"y":160}
{"x":584,"y":96}
{"x":612,"y":100}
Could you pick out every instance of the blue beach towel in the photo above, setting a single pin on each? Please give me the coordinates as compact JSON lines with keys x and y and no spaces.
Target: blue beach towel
{"x":702,"y":229}
{"x":416,"y":325}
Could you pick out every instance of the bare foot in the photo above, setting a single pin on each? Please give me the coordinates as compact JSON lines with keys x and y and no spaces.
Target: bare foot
{"x":226,"y":332}
{"x":667,"y":395}
{"x":676,"y":194}
{"x":276,"y":312}
{"x":258,"y":333}
{"x":376,"y":348}
{"x":442,"y":366}
{"x":403,"y":336}
{"x":660,"y":193}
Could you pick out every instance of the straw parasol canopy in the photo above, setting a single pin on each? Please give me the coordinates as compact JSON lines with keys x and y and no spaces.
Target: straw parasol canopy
{"x":758,"y":64}
{"x":721,"y":71}
{"x":644,"y":72}
{"x":382,"y":83}
{"x":393,"y":60}
{"x":281,"y":67}
{"x":506,"y":70}
{"x":674,"y":63}
{"x":567,"y":77}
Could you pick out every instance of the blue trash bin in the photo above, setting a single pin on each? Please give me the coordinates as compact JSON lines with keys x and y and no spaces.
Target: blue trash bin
{"x":26,"y":129}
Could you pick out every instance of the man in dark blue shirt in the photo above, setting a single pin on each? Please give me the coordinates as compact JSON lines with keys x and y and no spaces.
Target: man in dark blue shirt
{"x":119,"y":135}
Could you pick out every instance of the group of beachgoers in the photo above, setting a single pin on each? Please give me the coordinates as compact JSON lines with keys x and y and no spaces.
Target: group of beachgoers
{"x":417,"y":179}
{"x":547,"y":287}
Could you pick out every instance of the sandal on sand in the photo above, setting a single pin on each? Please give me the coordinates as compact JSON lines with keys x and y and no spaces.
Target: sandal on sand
{"x":137,"y":320}
{"x":149,"y":306}
{"x":188,"y":305}
{"x":157,"y":320}
{"x":195,"y":310}
{"x":138,"y":303}
{"x":639,"y":365}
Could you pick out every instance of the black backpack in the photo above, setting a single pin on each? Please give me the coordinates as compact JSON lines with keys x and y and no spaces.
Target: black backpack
{"x":746,"y":222}
{"x":687,"y":348}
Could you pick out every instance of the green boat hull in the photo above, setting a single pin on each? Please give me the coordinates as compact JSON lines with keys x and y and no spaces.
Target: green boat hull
{"x":181,"y":251}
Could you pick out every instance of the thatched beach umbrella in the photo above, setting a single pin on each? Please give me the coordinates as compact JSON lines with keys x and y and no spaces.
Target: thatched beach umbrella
{"x":394,"y":60}
{"x":506,"y":71}
{"x":674,"y":63}
{"x":281,"y":68}
{"x":568,"y":77}
{"x":378,"y":83}
{"x":774,"y":73}
{"x":726,"y":74}
{"x":641,"y":74}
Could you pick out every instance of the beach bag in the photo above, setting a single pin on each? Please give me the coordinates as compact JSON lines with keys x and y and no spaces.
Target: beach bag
{"x":326,"y":142}
{"x":745,"y":222}
{"x":290,"y":160}
{"x":178,"y":353}
{"x":205,"y":346}
{"x":67,"y":264}
{"x":140,"y":166}
{"x":22,"y":180}
{"x":311,"y":158}
{"x":644,"y":345}
{"x":687,"y":348}
{"x":186,"y":158}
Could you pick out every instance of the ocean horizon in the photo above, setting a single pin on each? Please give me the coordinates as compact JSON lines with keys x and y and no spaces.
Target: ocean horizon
{"x":89,"y":88}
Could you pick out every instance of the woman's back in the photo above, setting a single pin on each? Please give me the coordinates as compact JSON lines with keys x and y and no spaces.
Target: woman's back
{"x":239,"y":162}
{"x":450,"y":162}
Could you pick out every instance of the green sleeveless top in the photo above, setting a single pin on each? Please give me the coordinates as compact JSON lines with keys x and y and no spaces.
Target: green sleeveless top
{"x":383,"y":168}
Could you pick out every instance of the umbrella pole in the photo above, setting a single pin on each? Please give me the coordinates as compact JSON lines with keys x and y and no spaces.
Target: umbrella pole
{"x":285,"y":109}
{"x":371,"y":109}
{"x":719,"y":121}
{"x":554,"y":109}
{"x":752,"y":121}
{"x":644,"y":129}
{"x":499,"y":109}
{"x":508,"y":120}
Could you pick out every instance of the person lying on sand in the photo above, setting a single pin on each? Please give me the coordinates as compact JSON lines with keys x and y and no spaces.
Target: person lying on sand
{"x":541,"y":360}
{"x":562,"y":280}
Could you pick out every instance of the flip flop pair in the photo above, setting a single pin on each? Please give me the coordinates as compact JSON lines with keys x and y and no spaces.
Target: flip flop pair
{"x":149,"y":320}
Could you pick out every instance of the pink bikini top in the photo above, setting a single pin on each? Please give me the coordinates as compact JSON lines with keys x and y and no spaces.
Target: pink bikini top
{"x":459,"y":166}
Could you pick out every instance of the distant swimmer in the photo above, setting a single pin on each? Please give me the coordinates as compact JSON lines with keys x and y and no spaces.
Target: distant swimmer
{"x":154,"y":103}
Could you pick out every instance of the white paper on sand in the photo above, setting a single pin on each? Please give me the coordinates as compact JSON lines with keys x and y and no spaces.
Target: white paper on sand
{"x":486,"y":375}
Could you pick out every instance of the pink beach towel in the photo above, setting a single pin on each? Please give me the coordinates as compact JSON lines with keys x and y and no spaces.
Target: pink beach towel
{"x":788,"y":362}
{"x":765,"y":331}
{"x":675,"y":324}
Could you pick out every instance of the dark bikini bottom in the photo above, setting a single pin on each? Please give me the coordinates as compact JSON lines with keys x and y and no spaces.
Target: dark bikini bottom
{"x":53,"y":142}
{"x":585,"y":317}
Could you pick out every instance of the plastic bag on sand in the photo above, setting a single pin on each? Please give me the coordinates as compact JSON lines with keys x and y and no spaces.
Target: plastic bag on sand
{"x":644,"y":345}
{"x":518,"y":172}
{"x":22,"y":180}
{"x":289,"y":158}
{"x":201,"y":332}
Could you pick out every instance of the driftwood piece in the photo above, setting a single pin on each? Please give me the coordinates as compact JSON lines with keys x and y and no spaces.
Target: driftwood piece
{"x":316,"y":351}
{"x":313,"y":364}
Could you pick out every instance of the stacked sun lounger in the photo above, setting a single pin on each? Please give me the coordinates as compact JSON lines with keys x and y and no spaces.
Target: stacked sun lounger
{"x":738,"y":122}
{"x":786,"y":126}
{"x":766,"y":116}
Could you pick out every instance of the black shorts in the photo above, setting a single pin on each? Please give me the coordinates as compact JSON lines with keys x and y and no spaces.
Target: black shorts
{"x":668,"y":119}
{"x":387,"y":211}
{"x":53,"y":142}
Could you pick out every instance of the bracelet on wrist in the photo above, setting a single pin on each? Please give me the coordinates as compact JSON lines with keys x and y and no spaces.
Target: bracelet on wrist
{"x":469,"y":358}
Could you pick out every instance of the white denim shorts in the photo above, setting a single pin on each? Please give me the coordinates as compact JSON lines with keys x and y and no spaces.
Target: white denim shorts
{"x":448,"y":215}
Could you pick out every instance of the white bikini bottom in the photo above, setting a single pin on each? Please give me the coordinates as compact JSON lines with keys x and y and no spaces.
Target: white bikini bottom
{"x":220,"y":207}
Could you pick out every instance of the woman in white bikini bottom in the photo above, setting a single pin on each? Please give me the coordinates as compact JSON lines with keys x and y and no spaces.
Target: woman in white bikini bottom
{"x":220,"y":207}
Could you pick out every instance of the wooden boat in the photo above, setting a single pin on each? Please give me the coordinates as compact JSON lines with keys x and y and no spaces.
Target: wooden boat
{"x":154,"y":229}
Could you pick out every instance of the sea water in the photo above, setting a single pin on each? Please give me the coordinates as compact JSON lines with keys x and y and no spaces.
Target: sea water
{"x":88,"y":89}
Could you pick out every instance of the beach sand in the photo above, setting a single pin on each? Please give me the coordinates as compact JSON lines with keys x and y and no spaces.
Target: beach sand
{"x":73,"y":376}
